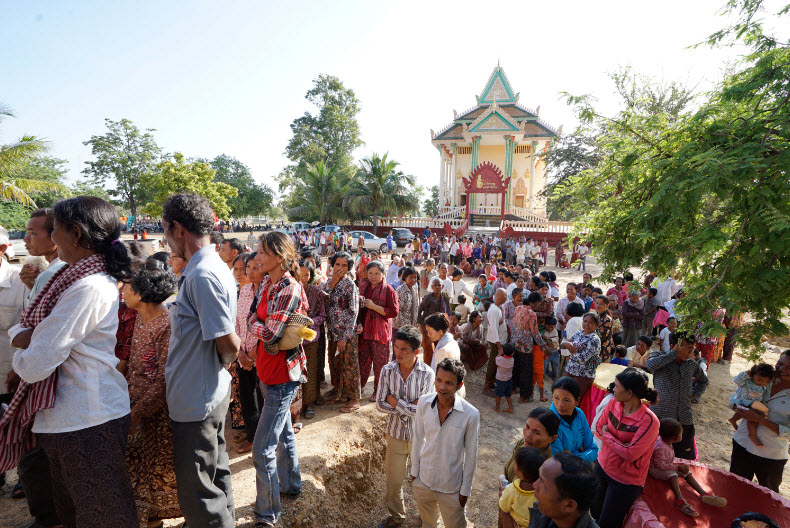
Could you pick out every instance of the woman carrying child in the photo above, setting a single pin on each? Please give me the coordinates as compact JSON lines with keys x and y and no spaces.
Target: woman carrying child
{"x":519,"y":496}
{"x":540,"y":430}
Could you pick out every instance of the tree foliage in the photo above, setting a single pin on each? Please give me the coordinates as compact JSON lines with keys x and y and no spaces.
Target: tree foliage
{"x":178,"y":175}
{"x":705,"y":194}
{"x":319,"y":195}
{"x":51,"y":173}
{"x":124,"y":156}
{"x":379,"y":189}
{"x":16,"y":185}
{"x":253,"y":199}
{"x":329,"y":135}
{"x":431,"y":205}
{"x":570,"y":156}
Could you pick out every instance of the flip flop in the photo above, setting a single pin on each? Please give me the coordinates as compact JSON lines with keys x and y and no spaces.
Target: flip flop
{"x":297,"y":427}
{"x":309,"y":414}
{"x":686,"y":508}
{"x":349,"y":409}
{"x":713,"y":500}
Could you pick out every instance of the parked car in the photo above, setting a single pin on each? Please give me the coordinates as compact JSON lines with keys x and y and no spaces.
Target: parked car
{"x":372,"y":242}
{"x":401,"y":236}
{"x":299,"y":227}
{"x":329,"y":228}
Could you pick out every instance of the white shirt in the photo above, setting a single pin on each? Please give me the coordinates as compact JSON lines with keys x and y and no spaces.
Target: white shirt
{"x":670,"y":307}
{"x":78,"y":339}
{"x":664,"y":336}
{"x":510,"y":290}
{"x":497,"y":326}
{"x":447,"y":285}
{"x":583,"y":250}
{"x":444,"y":456}
{"x":459,"y":287}
{"x":12,"y":296}
{"x":665,"y":290}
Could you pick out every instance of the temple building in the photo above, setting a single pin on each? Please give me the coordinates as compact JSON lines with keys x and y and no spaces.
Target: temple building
{"x":490,"y":165}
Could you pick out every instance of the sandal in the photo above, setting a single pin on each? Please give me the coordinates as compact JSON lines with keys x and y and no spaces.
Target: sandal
{"x":686,"y":508}
{"x":388,"y":523}
{"x":297,"y":427}
{"x":713,"y":500}
{"x":309,"y":414}
{"x":18,"y":492}
{"x":544,"y":399}
{"x":349,"y":409}
{"x":244,"y":447}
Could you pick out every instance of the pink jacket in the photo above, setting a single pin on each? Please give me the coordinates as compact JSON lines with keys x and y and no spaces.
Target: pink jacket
{"x":627,"y":444}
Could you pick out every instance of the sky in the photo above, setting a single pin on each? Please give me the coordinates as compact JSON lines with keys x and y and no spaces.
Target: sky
{"x":229,"y":77}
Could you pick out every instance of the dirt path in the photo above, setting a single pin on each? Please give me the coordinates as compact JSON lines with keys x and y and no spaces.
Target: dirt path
{"x":342,"y":457}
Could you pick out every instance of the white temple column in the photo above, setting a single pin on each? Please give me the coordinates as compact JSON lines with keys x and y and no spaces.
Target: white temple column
{"x":532,"y":175}
{"x":453,"y":180}
{"x":441,"y":181}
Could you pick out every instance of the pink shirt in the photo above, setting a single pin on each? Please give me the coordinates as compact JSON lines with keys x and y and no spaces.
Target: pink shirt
{"x":663,"y":456}
{"x":627,"y":444}
{"x":504,"y":370}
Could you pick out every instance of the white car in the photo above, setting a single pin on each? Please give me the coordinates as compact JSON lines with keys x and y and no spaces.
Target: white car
{"x":372,"y":242}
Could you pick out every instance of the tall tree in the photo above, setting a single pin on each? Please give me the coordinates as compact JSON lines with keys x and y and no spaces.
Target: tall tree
{"x":379,"y":189}
{"x":570,"y":156}
{"x":253,"y":199}
{"x":124,"y":155}
{"x":329,"y":135}
{"x":705,"y":195}
{"x":318,"y":195}
{"x":178,"y":175}
{"x":52,"y":173}
{"x":15,"y":185}
{"x":431,"y":205}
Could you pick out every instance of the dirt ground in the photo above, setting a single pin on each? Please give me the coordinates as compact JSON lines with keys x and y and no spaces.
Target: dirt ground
{"x":342,"y":457}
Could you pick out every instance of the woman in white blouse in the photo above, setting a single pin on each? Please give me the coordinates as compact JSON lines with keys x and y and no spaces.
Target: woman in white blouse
{"x":70,"y":333}
{"x":446,"y":346}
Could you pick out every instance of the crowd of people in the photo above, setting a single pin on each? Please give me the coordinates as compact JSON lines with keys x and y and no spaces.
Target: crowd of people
{"x":122,"y":370}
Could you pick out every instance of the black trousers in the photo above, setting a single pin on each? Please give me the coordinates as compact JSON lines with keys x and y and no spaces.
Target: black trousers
{"x":686,"y":447}
{"x":613,"y":501}
{"x":321,"y":356}
{"x":522,"y":373}
{"x":747,"y":465}
{"x":34,"y":475}
{"x":251,"y":400}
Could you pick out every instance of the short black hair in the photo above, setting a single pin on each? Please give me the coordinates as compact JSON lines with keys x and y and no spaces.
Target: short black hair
{"x":533,"y":297}
{"x":547,"y":418}
{"x":344,"y":255}
{"x":154,"y":282}
{"x":462,"y":299}
{"x":453,"y":366}
{"x":575,"y":309}
{"x":217,"y":238}
{"x":763,"y":369}
{"x":550,"y":320}
{"x":654,"y":291}
{"x":162,"y":256}
{"x":677,"y":337}
{"x":508,"y":349}
{"x":568,"y":384}
{"x":515,"y":292}
{"x":646,"y":340}
{"x":669,"y":428}
{"x":234,"y":244}
{"x":458,"y":273}
{"x":46,"y":214}
{"x":407,"y":272}
{"x":192,"y":211}
{"x":528,"y":460}
{"x":411,"y":335}
{"x":577,"y":481}
{"x":620,"y":351}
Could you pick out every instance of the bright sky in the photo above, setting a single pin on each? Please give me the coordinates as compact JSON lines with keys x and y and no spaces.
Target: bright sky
{"x":229,"y":77}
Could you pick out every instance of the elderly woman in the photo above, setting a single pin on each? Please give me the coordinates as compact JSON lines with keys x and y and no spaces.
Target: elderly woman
{"x":408,"y":300}
{"x":316,"y":298}
{"x":436,"y":301}
{"x":341,"y":316}
{"x":473,"y":351}
{"x":250,"y":398}
{"x":540,"y":431}
{"x":766,"y":462}
{"x":280,"y":373}
{"x":66,"y":341}
{"x":604,"y":327}
{"x":149,"y":454}
{"x":374,"y":324}
{"x":575,"y":435}
{"x":530,"y":348}
{"x":585,"y":349}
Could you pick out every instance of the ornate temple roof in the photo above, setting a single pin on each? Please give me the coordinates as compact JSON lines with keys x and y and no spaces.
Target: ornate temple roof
{"x":497,"y":110}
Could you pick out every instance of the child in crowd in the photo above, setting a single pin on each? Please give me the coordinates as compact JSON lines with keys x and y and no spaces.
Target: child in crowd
{"x":617,"y":315}
{"x":619,"y":356}
{"x":504,"y":377}
{"x":697,"y":387}
{"x":564,"y":261}
{"x":672,"y":324}
{"x":462,"y":309}
{"x":550,"y":335}
{"x":519,"y":496}
{"x":455,"y":327}
{"x":752,"y":385}
{"x":651,"y":307}
{"x":662,"y":467}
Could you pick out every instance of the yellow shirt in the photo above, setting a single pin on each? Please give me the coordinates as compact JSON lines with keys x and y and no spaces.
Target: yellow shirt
{"x":516,"y":502}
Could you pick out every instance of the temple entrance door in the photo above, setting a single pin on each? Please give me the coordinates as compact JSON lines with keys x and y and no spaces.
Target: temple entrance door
{"x":520,"y":201}
{"x":487,"y":179}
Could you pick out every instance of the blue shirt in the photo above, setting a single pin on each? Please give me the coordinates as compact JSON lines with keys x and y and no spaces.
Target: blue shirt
{"x":619,"y":361}
{"x":575,"y":437}
{"x":204,"y":309}
{"x":389,"y":241}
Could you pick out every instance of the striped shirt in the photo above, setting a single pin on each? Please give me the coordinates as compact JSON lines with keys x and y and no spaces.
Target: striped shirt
{"x":420,"y":381}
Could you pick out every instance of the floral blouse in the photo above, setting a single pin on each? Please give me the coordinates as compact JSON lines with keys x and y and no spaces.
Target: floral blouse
{"x":146,"y":374}
{"x":525,"y":329}
{"x":585,"y":361}
{"x":342,"y":309}
{"x":605,"y":333}
{"x":316,"y":298}
{"x":246,"y":297}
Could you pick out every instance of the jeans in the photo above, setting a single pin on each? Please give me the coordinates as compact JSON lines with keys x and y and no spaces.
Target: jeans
{"x":274,"y":452}
{"x":582,"y":263}
{"x":552,"y":364}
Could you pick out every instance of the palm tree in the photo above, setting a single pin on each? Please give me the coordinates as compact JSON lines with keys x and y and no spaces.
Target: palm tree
{"x":12,"y":159}
{"x":377,"y":188}
{"x":318,"y":194}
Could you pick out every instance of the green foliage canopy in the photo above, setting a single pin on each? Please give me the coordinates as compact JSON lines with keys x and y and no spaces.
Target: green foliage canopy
{"x":706,"y":195}
{"x":177,"y":175}
{"x":253,"y":199}
{"x":431,"y":205}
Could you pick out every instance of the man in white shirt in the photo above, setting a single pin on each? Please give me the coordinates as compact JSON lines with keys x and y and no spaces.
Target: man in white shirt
{"x":444,"y":449}
{"x":583,"y":251}
{"x":447,"y":282}
{"x":496,"y":335}
{"x":401,"y":384}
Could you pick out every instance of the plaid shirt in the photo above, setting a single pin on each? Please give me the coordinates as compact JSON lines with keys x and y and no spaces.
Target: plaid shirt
{"x":675,"y":385}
